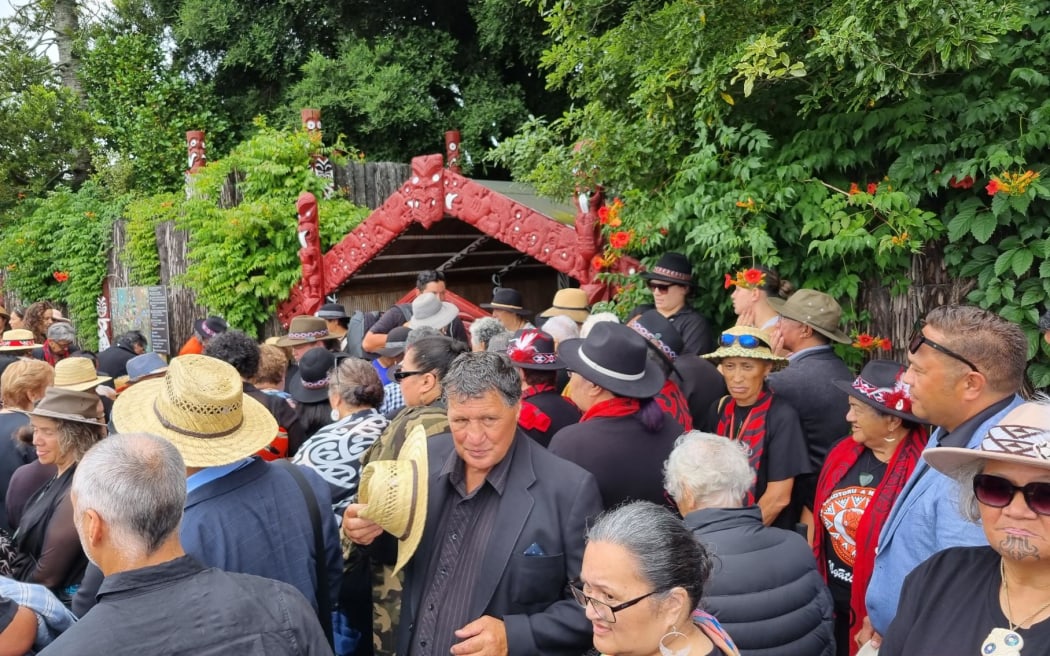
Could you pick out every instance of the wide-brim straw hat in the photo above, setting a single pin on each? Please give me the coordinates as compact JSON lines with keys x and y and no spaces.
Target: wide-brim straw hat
{"x":1022,"y":437}
{"x":200,"y":407}
{"x":815,"y":309}
{"x":570,"y":302}
{"x":735,"y":350}
{"x":429,"y":310}
{"x":69,"y":405}
{"x":510,"y":300}
{"x":615,"y":358}
{"x":533,"y":349}
{"x":879,"y":385}
{"x":395,"y":494}
{"x":78,"y":374}
{"x":306,"y":330}
{"x":18,"y":339}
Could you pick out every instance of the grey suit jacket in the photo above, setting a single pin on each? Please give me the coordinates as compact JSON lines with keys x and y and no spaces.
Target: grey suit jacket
{"x":548,"y":502}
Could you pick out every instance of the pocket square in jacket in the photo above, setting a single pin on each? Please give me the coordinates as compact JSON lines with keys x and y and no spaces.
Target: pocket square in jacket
{"x":535,"y":550}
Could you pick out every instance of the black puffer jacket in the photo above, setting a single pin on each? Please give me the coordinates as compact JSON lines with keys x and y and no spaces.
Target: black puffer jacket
{"x":764,"y":586}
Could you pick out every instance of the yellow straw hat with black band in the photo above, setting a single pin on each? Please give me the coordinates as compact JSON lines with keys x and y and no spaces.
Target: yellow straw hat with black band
{"x":745,"y":342}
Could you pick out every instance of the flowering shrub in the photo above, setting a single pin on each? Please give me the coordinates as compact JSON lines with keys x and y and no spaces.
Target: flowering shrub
{"x":866,"y":342}
{"x":746,"y":278}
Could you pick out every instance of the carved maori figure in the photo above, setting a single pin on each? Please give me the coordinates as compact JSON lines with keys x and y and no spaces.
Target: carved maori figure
{"x":197,"y":156}
{"x":452,"y":150}
{"x":319,"y":163}
{"x":310,"y":255}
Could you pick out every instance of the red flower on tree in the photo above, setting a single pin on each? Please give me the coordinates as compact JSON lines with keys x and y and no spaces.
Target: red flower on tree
{"x":965,"y":183}
{"x":597,"y":262}
{"x":60,"y":276}
{"x":853,"y":188}
{"x":993,"y":187}
{"x":864,"y":341}
{"x":872,"y":188}
{"x":619,"y":239}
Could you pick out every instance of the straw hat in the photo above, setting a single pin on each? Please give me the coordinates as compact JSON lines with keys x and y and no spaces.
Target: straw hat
{"x":395,"y":493}
{"x":735,"y":350}
{"x":69,"y":405}
{"x":880,"y":386}
{"x":815,"y":309}
{"x":429,"y":310}
{"x":570,"y":302}
{"x":505,"y":298}
{"x":615,"y":358}
{"x":200,"y":407}
{"x":1022,"y":437}
{"x":18,"y":339}
{"x":306,"y":330}
{"x":78,"y":374}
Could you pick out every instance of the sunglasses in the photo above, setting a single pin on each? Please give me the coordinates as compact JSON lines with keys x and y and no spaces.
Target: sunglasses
{"x":745,"y":341}
{"x":997,"y":492}
{"x":657,"y":287}
{"x":918,"y":339}
{"x":401,"y":375}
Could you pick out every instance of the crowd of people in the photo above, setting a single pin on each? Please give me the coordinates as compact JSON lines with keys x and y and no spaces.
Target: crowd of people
{"x":550,"y":483}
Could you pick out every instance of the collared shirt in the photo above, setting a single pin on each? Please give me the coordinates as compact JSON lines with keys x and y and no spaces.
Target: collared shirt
{"x":960,"y":437}
{"x":465,"y":526}
{"x":209,"y":474}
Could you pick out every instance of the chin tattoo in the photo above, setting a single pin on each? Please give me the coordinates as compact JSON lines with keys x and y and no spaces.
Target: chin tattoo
{"x":1018,"y":548}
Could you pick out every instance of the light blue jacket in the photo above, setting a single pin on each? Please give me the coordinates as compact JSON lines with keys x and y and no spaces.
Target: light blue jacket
{"x":925,"y":519}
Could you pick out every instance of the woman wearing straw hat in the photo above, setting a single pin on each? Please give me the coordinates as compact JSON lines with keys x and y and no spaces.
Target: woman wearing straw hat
{"x":754,"y":415}
{"x":992,"y":600}
{"x":22,"y":384}
{"x":858,"y":484}
{"x":47,"y":551}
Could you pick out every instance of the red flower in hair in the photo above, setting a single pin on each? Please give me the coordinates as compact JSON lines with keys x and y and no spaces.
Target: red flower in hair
{"x":754,"y":277}
{"x":729,"y":281}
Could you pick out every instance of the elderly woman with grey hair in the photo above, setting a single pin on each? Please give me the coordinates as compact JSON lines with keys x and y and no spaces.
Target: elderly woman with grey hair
{"x":59,"y":345}
{"x":482,"y":330}
{"x":764,"y":585}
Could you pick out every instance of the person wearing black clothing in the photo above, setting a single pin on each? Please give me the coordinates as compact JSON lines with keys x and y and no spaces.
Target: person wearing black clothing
{"x":400,"y":314}
{"x":114,"y":360}
{"x":671,"y":281}
{"x":544,"y":411}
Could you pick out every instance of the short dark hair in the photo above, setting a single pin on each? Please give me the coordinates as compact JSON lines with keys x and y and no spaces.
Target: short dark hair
{"x":132,"y":338}
{"x":436,"y":353}
{"x":426,"y":277}
{"x":540,"y":376}
{"x":237,"y":349}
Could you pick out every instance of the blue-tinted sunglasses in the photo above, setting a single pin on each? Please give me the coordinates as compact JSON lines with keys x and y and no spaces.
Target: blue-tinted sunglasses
{"x":745,"y":341}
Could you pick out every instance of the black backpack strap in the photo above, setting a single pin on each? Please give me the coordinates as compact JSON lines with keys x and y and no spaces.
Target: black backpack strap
{"x":324,"y":602}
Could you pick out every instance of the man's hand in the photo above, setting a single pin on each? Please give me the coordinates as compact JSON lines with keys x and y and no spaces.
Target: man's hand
{"x":866,"y":633}
{"x":485,"y":636}
{"x":778,"y":342}
{"x":357,"y":530}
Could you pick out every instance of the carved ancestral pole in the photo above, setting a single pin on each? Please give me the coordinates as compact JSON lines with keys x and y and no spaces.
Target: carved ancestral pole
{"x":310,"y":255}
{"x":452,"y":151}
{"x":196,"y":157}
{"x":321,"y":165}
{"x":588,"y":199}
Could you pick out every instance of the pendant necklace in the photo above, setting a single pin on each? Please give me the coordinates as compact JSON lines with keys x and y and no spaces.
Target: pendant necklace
{"x":1008,"y":642}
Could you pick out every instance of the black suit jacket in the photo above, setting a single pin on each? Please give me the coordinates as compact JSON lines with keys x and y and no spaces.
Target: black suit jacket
{"x":548,"y":502}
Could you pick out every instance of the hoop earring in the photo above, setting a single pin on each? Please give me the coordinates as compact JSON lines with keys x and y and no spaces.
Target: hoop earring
{"x":891,"y":440}
{"x":667,"y":651}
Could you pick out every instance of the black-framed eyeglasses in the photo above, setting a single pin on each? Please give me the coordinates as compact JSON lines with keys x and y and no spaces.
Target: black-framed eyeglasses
{"x":918,"y":339}
{"x":401,"y":375}
{"x":997,"y":492}
{"x":604,"y":611}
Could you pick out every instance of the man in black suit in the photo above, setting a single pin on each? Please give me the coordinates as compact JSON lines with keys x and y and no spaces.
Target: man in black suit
{"x":504,"y":530}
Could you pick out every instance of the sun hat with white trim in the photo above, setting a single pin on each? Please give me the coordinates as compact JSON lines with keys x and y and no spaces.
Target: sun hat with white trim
{"x":614,"y":357}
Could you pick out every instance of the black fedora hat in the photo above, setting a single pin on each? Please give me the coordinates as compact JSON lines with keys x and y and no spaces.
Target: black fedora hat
{"x":533,"y":349}
{"x":660,"y":333}
{"x":614,"y":357}
{"x":309,"y":384}
{"x":673,"y":268}
{"x":210,"y":327}
{"x":332,"y":311}
{"x":505,"y":298}
{"x":879,"y":385}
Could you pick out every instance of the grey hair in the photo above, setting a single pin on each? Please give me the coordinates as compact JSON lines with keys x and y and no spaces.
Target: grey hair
{"x":585,"y":329}
{"x":561,"y":328}
{"x":484,"y":329}
{"x":136,"y":482}
{"x":419,"y":332}
{"x":61,"y":332}
{"x":473,"y":375}
{"x":714,"y":469}
{"x":500,"y":342}
{"x":969,"y":507}
{"x":665,"y":552}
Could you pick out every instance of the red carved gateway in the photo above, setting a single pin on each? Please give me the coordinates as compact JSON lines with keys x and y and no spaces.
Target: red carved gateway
{"x":433,"y":193}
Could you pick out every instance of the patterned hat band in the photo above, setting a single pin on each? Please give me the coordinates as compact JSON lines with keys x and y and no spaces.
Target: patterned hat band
{"x":1029,"y":441}
{"x":895,"y":398}
{"x":544,"y":358}
{"x":655,"y":340}
{"x":206,"y":330}
{"x":315,"y":384}
{"x":16,"y":343}
{"x":315,"y":334}
{"x":671,"y":273}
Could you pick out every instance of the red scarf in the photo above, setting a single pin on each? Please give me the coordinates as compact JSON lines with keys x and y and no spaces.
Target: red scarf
{"x":533,"y":390}
{"x":841,"y":457}
{"x":673,"y":403}
{"x":752,"y":431}
{"x":618,"y":406}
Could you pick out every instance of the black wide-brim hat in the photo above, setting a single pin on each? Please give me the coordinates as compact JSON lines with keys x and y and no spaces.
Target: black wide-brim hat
{"x":332,"y":311}
{"x":505,"y":298}
{"x":615,"y":358}
{"x":533,"y":349}
{"x":661,"y":334}
{"x":879,"y":386}
{"x":210,"y":327}
{"x":309,"y":383}
{"x":673,"y":268}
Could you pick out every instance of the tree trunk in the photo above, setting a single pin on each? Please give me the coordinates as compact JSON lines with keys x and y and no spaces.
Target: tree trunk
{"x":66,"y":25}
